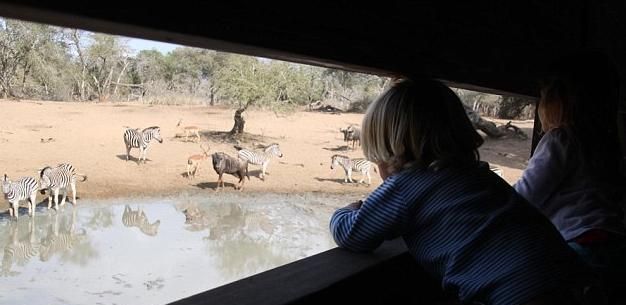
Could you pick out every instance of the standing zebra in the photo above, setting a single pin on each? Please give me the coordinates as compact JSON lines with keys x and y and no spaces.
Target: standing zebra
{"x":350,"y":165}
{"x":14,"y":192}
{"x":260,"y":158}
{"x":56,"y":179}
{"x":133,"y":138}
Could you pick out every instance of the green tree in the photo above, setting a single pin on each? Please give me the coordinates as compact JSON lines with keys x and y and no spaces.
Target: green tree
{"x":51,"y":63}
{"x":106,"y":58}
{"x":193,"y":71}
{"x":100,"y":62}
{"x":22,"y":47}
{"x":243,"y":83}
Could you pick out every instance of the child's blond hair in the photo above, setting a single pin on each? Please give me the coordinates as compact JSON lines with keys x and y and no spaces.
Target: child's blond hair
{"x":580,"y":95}
{"x":418,"y":123}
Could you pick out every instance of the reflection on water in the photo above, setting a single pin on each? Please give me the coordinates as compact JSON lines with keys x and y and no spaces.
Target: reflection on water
{"x":62,"y":238}
{"x":154,"y":251}
{"x":18,"y":250}
{"x":139,"y":219}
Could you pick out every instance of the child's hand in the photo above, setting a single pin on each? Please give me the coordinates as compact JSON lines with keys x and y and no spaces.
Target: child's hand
{"x":355,"y":205}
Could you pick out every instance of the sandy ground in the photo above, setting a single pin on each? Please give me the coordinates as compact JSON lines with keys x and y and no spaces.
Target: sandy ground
{"x":89,"y":136}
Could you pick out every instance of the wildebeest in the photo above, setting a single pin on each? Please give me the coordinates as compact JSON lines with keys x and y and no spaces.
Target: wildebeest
{"x":351,"y":133}
{"x":223,"y":163}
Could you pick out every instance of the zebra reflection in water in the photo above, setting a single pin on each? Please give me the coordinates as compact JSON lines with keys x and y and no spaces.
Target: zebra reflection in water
{"x":19,"y":250}
{"x":60,"y":239}
{"x":137,"y":218}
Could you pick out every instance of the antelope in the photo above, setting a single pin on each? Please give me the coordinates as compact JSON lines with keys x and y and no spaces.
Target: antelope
{"x":189,"y":130}
{"x":193,"y":162}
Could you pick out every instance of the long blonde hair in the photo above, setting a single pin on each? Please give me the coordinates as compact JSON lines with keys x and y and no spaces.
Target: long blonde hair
{"x":554,"y":111}
{"x":580,"y":94}
{"x":421,"y":123}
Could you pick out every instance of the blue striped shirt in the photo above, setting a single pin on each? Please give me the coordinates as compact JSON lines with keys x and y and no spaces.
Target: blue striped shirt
{"x":468,"y":228}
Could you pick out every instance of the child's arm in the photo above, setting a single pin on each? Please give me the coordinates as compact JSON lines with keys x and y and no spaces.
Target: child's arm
{"x":546,"y":169}
{"x":383,"y":215}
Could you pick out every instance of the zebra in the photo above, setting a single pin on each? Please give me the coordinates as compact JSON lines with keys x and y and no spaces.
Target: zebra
{"x":58,"y":178}
{"x":139,"y":219}
{"x":14,"y":192}
{"x":133,"y":138}
{"x":350,"y":165}
{"x":260,"y":158}
{"x":19,"y":251}
{"x":351,"y":133}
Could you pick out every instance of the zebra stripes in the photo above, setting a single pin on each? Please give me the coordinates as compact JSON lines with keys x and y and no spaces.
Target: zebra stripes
{"x":21,"y":248}
{"x":59,"y":241}
{"x":55,"y":243}
{"x":139,"y":219}
{"x":19,"y":251}
{"x":350,"y":165}
{"x":261,"y":158}
{"x":56,"y":179}
{"x":133,"y":138}
{"x":14,"y":192}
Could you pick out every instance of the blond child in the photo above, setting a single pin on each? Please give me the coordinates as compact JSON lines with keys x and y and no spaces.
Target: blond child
{"x":460,"y":221}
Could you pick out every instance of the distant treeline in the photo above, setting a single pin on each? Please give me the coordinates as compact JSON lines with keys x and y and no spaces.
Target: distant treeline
{"x":44,"y":62}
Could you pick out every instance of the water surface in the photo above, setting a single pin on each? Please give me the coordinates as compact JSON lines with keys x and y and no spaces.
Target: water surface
{"x":157,"y":250}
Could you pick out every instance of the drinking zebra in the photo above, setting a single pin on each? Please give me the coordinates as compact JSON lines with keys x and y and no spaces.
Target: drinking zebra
{"x":56,"y":179}
{"x":133,"y":138}
{"x":139,"y":219}
{"x":16,"y":191}
{"x":350,"y":165}
{"x":260,"y":158}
